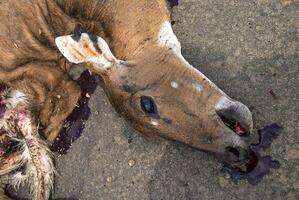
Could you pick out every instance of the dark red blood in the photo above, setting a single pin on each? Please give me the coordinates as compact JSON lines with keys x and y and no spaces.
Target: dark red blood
{"x":258,"y":166}
{"x":8,"y":147}
{"x":173,"y":3}
{"x":239,"y":130}
{"x":76,"y":121}
{"x":267,"y":135}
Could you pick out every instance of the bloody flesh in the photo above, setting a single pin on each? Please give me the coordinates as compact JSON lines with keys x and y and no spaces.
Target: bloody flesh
{"x":234,"y":125}
{"x":239,"y":130}
{"x":258,"y":166}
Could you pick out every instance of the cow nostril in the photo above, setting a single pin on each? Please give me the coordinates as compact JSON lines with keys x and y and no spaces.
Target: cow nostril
{"x":233,"y":151}
{"x":234,"y":125}
{"x":236,"y":154}
{"x":235,"y":116}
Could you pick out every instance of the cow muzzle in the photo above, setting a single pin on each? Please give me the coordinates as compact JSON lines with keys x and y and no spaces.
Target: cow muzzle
{"x":236,"y":119}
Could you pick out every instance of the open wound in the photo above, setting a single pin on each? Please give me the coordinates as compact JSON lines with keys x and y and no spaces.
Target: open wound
{"x":258,"y":166}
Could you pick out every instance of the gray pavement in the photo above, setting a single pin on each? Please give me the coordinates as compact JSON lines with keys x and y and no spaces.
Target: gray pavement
{"x":248,"y":48}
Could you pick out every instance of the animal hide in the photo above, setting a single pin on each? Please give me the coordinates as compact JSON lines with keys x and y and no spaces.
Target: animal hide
{"x":30,"y":62}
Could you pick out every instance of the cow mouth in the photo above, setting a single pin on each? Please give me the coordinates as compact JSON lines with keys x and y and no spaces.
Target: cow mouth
{"x":250,"y":162}
{"x":246,"y":166}
{"x":256,"y":166}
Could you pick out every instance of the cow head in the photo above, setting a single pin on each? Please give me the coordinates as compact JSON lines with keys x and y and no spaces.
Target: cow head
{"x":161,"y":94}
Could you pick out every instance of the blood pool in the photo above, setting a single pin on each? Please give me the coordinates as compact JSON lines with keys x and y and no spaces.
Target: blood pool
{"x":257,"y":166}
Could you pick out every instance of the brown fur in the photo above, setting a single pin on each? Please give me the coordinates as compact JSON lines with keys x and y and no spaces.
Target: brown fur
{"x":30,"y":61}
{"x":27,"y":47}
{"x":4,"y":197}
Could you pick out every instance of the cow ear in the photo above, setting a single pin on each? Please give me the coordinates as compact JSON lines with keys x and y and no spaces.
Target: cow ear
{"x":86,"y":48}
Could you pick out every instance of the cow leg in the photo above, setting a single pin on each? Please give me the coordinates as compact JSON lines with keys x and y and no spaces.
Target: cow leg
{"x":58,"y":106}
{"x":53,"y":94}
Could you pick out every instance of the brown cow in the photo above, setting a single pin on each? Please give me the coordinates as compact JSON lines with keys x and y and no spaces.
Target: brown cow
{"x":146,"y":79}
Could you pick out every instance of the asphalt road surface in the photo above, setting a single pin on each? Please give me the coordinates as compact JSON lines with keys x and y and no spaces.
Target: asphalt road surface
{"x":249,"y":48}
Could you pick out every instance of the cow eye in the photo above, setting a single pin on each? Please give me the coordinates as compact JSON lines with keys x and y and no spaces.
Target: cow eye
{"x":148,"y":105}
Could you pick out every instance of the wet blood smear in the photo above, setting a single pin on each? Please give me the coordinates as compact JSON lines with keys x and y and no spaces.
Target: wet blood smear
{"x":173,"y":3}
{"x":239,"y":130}
{"x":258,"y":166}
{"x":75,"y":123}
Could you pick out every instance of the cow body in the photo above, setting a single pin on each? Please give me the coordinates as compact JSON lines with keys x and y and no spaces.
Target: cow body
{"x":28,"y":48}
{"x":146,"y":78}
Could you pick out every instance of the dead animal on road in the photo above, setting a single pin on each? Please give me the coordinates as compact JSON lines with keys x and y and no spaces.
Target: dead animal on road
{"x":132,"y":47}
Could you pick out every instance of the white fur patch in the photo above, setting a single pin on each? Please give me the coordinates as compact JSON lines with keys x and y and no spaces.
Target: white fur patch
{"x":168,"y":39}
{"x":174,"y":84}
{"x":12,"y":99}
{"x":15,"y":97}
{"x":154,"y":123}
{"x":224,"y":103}
{"x":197,"y":87}
{"x":78,"y":51}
